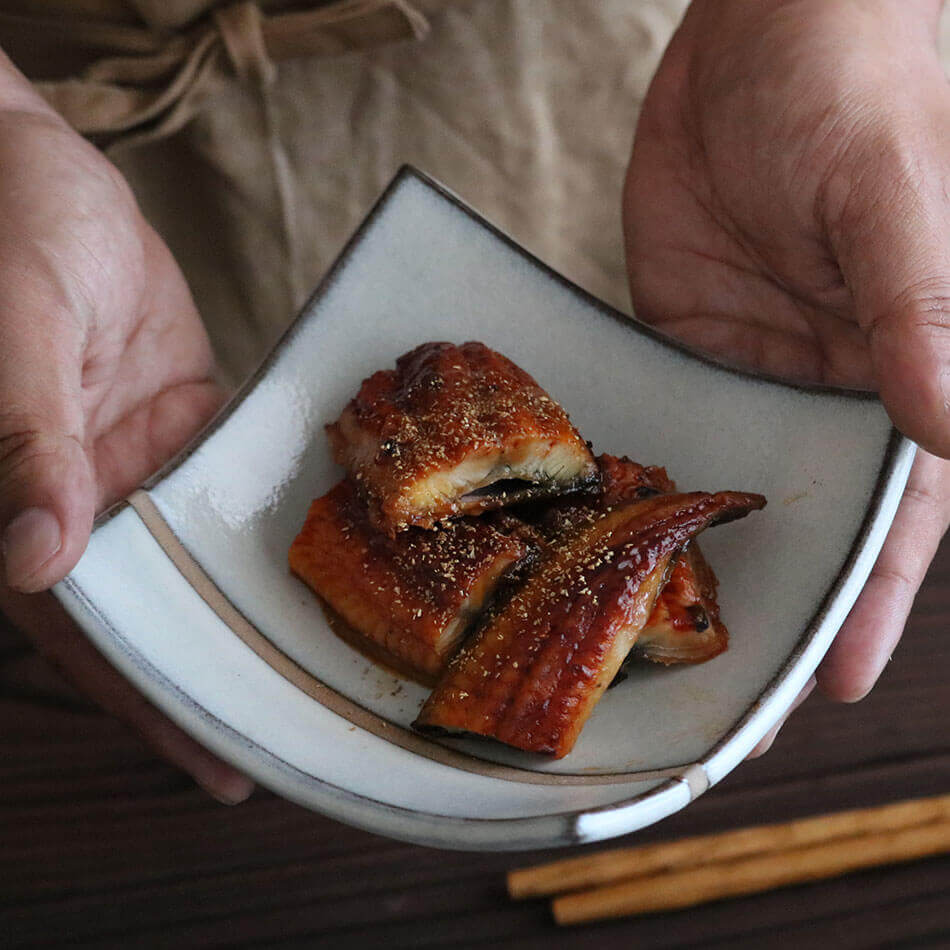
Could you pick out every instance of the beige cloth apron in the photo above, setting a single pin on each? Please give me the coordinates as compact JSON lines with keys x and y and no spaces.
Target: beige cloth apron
{"x":257,"y":136}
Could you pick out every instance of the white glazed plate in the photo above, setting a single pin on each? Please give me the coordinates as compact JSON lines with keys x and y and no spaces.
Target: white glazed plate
{"x":185,"y":586}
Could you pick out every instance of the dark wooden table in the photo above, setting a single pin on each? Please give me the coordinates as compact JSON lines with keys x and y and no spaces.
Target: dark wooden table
{"x":102,"y":845}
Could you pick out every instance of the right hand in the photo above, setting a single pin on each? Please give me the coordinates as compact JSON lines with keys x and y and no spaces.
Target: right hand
{"x":787,"y":207}
{"x":105,"y":372}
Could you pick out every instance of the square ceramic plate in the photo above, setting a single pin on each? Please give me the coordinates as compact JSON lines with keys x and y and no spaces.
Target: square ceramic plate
{"x":185,"y":586}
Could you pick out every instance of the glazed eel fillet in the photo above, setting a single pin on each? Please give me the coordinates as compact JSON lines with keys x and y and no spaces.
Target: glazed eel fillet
{"x":684,"y":626}
{"x":532,"y":675}
{"x":410,"y":598}
{"x":456,"y":430}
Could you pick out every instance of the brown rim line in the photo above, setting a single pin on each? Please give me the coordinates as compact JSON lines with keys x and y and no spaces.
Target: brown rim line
{"x":693,"y":774}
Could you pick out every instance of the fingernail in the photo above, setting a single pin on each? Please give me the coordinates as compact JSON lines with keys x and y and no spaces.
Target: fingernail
{"x":217,"y":796}
{"x":29,"y":541}
{"x":240,"y":794}
{"x":764,"y":744}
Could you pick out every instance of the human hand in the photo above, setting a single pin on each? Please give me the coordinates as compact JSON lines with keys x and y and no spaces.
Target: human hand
{"x":105,"y":372}
{"x":787,"y":207}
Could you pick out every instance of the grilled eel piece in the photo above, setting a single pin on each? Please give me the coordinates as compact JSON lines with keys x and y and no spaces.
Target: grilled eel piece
{"x":684,"y":626}
{"x":532,"y":675}
{"x":410,"y":598}
{"x":456,"y":430}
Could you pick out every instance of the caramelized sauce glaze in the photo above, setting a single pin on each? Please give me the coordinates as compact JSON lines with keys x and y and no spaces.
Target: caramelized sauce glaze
{"x":531,"y":677}
{"x":441,"y":405}
{"x":403,"y":593}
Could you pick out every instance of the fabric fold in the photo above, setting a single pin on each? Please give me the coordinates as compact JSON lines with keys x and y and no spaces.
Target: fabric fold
{"x":146,"y":83}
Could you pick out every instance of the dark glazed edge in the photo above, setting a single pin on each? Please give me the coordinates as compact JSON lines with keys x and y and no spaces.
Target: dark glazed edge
{"x":569,"y":834}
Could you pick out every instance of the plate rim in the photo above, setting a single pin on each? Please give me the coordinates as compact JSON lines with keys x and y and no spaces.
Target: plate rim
{"x":553,"y":829}
{"x":519,"y":833}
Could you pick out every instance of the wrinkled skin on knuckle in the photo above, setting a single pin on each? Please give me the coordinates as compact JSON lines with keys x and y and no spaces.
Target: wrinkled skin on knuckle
{"x":35,"y":445}
{"x":33,"y":463}
{"x":924,"y":306}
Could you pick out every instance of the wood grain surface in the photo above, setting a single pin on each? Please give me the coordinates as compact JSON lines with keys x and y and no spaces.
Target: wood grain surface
{"x":102,"y":845}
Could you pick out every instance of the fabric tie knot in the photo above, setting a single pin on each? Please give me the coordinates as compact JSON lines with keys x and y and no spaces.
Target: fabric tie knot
{"x":240,"y":26}
{"x":145,"y":84}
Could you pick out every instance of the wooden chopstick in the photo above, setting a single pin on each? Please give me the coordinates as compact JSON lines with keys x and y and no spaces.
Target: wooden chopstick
{"x":751,"y":875}
{"x":621,"y":864}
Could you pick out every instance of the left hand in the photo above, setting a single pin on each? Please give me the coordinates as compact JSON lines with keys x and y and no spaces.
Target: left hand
{"x":787,"y":207}
{"x":105,"y":372}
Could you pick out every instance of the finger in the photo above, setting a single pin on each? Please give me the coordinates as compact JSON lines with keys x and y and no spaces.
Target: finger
{"x":874,"y":626}
{"x":47,"y":487}
{"x":160,"y":411}
{"x":78,"y":660}
{"x":891,"y":233}
{"x":765,"y":743}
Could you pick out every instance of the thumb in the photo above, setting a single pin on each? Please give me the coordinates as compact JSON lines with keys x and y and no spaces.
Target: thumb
{"x":895,"y":259}
{"x":47,"y":488}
